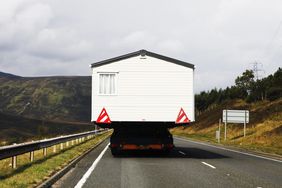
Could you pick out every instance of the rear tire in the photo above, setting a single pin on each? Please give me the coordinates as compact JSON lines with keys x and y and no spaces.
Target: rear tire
{"x":166,"y":151}
{"x":115,"y":152}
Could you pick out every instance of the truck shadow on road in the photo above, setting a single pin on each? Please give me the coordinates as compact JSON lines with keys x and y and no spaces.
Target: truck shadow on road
{"x":177,"y":152}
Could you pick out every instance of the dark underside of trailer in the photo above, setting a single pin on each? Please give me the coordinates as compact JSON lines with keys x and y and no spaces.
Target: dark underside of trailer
{"x":140,"y":136}
{"x":117,"y":124}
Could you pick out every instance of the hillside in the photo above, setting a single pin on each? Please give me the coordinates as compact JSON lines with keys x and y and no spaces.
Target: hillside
{"x":52,"y":98}
{"x":16,"y":129}
{"x":264,"y":132}
{"x":7,"y":75}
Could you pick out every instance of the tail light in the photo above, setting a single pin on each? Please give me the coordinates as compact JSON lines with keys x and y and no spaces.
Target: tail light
{"x":114,"y":145}
{"x":170,"y":146}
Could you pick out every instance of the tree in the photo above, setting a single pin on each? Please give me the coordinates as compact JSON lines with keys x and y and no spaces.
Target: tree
{"x":246,"y":88}
{"x":274,"y":89}
{"x":245,"y":82}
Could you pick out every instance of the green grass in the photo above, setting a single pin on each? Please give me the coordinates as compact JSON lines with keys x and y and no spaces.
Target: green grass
{"x":273,"y":148}
{"x":257,"y":138}
{"x":31,"y":174}
{"x":263,"y":134}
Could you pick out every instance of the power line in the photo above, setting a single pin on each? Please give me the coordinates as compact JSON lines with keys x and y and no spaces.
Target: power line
{"x":275,"y":34}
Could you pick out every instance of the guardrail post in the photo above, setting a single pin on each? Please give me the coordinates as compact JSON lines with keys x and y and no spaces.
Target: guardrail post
{"x":96,"y":128}
{"x":67,"y":144}
{"x":72,"y":142}
{"x":62,"y":146}
{"x":54,"y":148}
{"x":14,"y":162}
{"x":31,"y":156}
{"x":44,"y":152}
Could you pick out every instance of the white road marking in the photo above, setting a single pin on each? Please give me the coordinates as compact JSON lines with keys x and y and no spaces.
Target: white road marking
{"x":249,"y":154}
{"x":91,"y":169}
{"x":182,"y":153}
{"x":209,"y":165}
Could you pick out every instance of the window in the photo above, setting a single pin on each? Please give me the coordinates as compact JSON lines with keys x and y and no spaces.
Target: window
{"x":107,"y":83}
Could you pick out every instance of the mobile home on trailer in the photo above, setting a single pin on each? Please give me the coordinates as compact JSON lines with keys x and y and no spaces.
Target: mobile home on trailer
{"x":142,"y":90}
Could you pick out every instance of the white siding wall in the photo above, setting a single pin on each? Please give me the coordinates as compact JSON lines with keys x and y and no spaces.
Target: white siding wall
{"x":147,"y":90}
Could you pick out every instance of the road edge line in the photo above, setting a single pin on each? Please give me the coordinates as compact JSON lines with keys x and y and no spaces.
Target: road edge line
{"x":227,"y":149}
{"x":54,"y":178}
{"x":82,"y":181}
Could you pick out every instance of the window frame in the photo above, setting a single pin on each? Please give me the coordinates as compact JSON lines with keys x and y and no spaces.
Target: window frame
{"x":115,"y":80}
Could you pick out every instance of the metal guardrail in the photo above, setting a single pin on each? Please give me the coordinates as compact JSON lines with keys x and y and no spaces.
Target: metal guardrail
{"x":29,"y":147}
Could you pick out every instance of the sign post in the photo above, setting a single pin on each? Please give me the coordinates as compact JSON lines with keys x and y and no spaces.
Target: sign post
{"x":219,"y":125}
{"x":245,"y":125}
{"x":217,"y":136}
{"x":225,"y":125}
{"x":235,"y":116}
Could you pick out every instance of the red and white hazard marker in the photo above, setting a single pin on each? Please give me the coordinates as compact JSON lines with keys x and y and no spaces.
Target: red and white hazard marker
{"x":182,"y":117}
{"x":103,"y":117}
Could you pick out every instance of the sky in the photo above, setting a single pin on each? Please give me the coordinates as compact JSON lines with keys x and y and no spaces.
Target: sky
{"x":222,"y":38}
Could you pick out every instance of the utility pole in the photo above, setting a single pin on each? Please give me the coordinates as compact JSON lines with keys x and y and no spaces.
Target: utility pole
{"x":256,"y":69}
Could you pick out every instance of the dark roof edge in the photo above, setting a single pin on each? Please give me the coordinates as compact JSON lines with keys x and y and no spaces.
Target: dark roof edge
{"x":142,"y":53}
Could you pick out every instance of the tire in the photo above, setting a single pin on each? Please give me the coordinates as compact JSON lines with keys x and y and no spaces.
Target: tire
{"x":115,"y":152}
{"x":166,"y":151}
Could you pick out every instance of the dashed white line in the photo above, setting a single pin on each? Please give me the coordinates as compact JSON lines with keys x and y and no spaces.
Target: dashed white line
{"x":90,"y":170}
{"x":209,"y":165}
{"x":182,"y":153}
{"x":249,"y":154}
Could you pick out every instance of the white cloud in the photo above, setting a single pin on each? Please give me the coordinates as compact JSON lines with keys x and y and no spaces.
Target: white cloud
{"x":63,"y":44}
{"x":220,"y":37}
{"x":134,"y":41}
{"x":21,"y":20}
{"x":173,"y":46}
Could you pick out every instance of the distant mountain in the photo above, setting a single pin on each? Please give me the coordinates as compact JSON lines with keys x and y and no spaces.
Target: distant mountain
{"x":51,"y":98}
{"x":15,"y":129}
{"x":7,"y":75}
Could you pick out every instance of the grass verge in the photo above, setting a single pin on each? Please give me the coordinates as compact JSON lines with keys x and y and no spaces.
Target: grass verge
{"x":32,"y":174}
{"x":260,"y":144}
{"x":263,"y":133}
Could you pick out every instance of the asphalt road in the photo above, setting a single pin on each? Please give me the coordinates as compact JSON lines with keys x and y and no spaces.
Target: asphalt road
{"x":190,"y":164}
